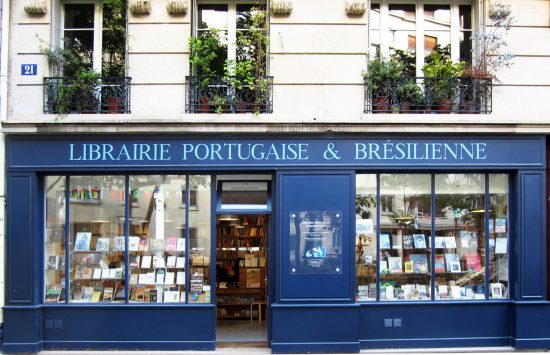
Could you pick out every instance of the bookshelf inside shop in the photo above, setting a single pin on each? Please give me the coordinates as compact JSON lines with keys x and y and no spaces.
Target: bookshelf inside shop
{"x":241,"y":261}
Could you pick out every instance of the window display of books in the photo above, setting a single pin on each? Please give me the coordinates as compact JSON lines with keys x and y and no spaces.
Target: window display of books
{"x":97,"y":267}
{"x":405,"y":265}
{"x":157,"y":269}
{"x":366,"y":260}
{"x":459,"y":266}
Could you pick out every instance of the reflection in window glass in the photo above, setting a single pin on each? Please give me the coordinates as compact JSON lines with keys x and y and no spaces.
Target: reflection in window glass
{"x":199,"y":248}
{"x":157,"y":242}
{"x":405,"y":232}
{"x":365,"y":237}
{"x":54,"y":240}
{"x":402,"y":31}
{"x":212,"y":28}
{"x":465,"y":18}
{"x":97,"y":224}
{"x":460,"y":236}
{"x":498,"y":236}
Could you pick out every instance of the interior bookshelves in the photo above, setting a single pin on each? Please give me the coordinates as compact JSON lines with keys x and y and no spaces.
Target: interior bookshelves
{"x":241,"y":260}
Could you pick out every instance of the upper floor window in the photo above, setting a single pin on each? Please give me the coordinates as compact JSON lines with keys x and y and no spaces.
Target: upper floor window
{"x":410,"y":31}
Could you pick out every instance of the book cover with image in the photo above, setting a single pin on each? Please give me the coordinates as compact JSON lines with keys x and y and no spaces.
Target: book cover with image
{"x":419,"y":241}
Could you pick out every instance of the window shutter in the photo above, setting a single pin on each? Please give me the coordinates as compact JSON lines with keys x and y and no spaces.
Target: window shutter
{"x":55,"y":41}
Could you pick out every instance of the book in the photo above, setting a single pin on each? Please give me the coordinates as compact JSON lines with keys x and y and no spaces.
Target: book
{"x":180,"y":262}
{"x":102,"y":244}
{"x":443,"y":291}
{"x":384,"y":267}
{"x":419,"y":241}
{"x":96,"y":296}
{"x":105,"y":273}
{"x":97,"y":274}
{"x":134,"y":261}
{"x":87,"y":294}
{"x":143,"y":244}
{"x":150,"y":278}
{"x":153,"y":296}
{"x":146,"y":261}
{"x":372,"y":291}
{"x":159,"y":262}
{"x":53,"y":262}
{"x":450,"y":242}
{"x":180,"y":278}
{"x":180,"y":244}
{"x":384,"y":241}
{"x":155,"y":245}
{"x":169,"y":279}
{"x":77,"y":292}
{"x":171,"y":243}
{"x":501,"y":246}
{"x":82,"y":241}
{"x":408,"y":242}
{"x":134,"y":279}
{"x":409,"y":268}
{"x":133,"y":243}
{"x":107,"y":294}
{"x":171,"y":261}
{"x":456,"y":292}
{"x":159,"y":277}
{"x":87,"y":273}
{"x":439,"y":242}
{"x":252,"y":278}
{"x":439,"y":263}
{"x":449,"y":260}
{"x":395,"y":264}
{"x":171,"y":296}
{"x":420,"y":263}
{"x":112,"y":273}
{"x":500,"y":225}
{"x":53,"y":292}
{"x":397,"y":243}
{"x":362,"y":292}
{"x":473,"y":262}
{"x":119,"y":243}
{"x":468,"y":240}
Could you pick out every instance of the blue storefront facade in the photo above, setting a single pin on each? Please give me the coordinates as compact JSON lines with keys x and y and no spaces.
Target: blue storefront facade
{"x":330,"y":298}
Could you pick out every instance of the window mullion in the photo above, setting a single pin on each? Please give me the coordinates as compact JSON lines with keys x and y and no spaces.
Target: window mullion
{"x":419,"y":38}
{"x":232,"y":31}
{"x":384,"y":28}
{"x":98,"y":40}
{"x":455,"y":33}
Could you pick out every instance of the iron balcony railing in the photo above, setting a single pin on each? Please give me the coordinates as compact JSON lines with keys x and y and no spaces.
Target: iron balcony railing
{"x":430,"y":95}
{"x":64,"y":95}
{"x":229,"y":94}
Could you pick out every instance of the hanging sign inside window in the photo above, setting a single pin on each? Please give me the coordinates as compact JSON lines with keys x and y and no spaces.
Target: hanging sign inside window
{"x":316,"y":242}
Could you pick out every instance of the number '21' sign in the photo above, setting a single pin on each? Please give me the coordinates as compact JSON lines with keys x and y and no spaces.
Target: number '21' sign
{"x":29,"y":69}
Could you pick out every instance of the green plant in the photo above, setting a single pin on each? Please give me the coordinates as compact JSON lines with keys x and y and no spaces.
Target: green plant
{"x":114,"y":38}
{"x":410,"y":92}
{"x":79,"y":93}
{"x":442,"y":74}
{"x":218,"y":102}
{"x":382,"y":75}
{"x":205,"y":53}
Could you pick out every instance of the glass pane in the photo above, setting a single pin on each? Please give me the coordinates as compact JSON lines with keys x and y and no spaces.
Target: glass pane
{"x":96,"y":231}
{"x":114,"y":39}
{"x":466,"y":46}
{"x":79,"y":16}
{"x":213,"y":16}
{"x":465,"y":17}
{"x":244,"y":195}
{"x":365,"y":236}
{"x":499,"y":235}
{"x":81,"y":43}
{"x":437,"y":17}
{"x":402,"y":17}
{"x":405,"y":232}
{"x":460,"y":236}
{"x":436,"y":38}
{"x":199,"y":241}
{"x":156,"y":243}
{"x":54,"y":240}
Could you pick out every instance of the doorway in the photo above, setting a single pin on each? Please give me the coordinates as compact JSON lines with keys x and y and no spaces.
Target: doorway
{"x":241,"y":278}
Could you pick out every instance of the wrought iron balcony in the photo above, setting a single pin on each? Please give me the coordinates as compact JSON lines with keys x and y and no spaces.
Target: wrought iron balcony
{"x":69,"y":95}
{"x":229,"y":95}
{"x":430,"y":95}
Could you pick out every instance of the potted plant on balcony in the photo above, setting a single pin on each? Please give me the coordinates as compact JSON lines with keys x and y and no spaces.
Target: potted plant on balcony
{"x":441,"y":80}
{"x":382,"y":80}
{"x":205,"y":51}
{"x":410,"y":96}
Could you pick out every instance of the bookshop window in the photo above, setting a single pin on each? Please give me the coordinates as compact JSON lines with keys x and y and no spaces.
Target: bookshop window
{"x":445,"y":27}
{"x":365,"y":236}
{"x":96,"y":237}
{"x":418,"y":262}
{"x":151,"y":242}
{"x":156,"y":246}
{"x":405,"y":230}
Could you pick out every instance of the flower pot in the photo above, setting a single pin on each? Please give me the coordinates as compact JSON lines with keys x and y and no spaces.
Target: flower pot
{"x":204,"y":106}
{"x":114,"y":104}
{"x":470,"y":106}
{"x":444,"y":106}
{"x":382,"y":104}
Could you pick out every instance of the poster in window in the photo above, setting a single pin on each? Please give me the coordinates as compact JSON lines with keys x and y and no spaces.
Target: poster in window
{"x":316,"y":242}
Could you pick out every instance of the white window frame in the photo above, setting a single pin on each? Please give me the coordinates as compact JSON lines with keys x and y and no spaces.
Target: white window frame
{"x":97,"y":51}
{"x":384,"y":30}
{"x":231,"y":21}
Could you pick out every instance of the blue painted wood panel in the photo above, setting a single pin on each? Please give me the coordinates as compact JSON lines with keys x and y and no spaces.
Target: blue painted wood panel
{"x":315,"y":192}
{"x":531,"y":240}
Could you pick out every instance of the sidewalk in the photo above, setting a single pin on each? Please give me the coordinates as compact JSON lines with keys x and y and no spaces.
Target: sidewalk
{"x":264,"y":351}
